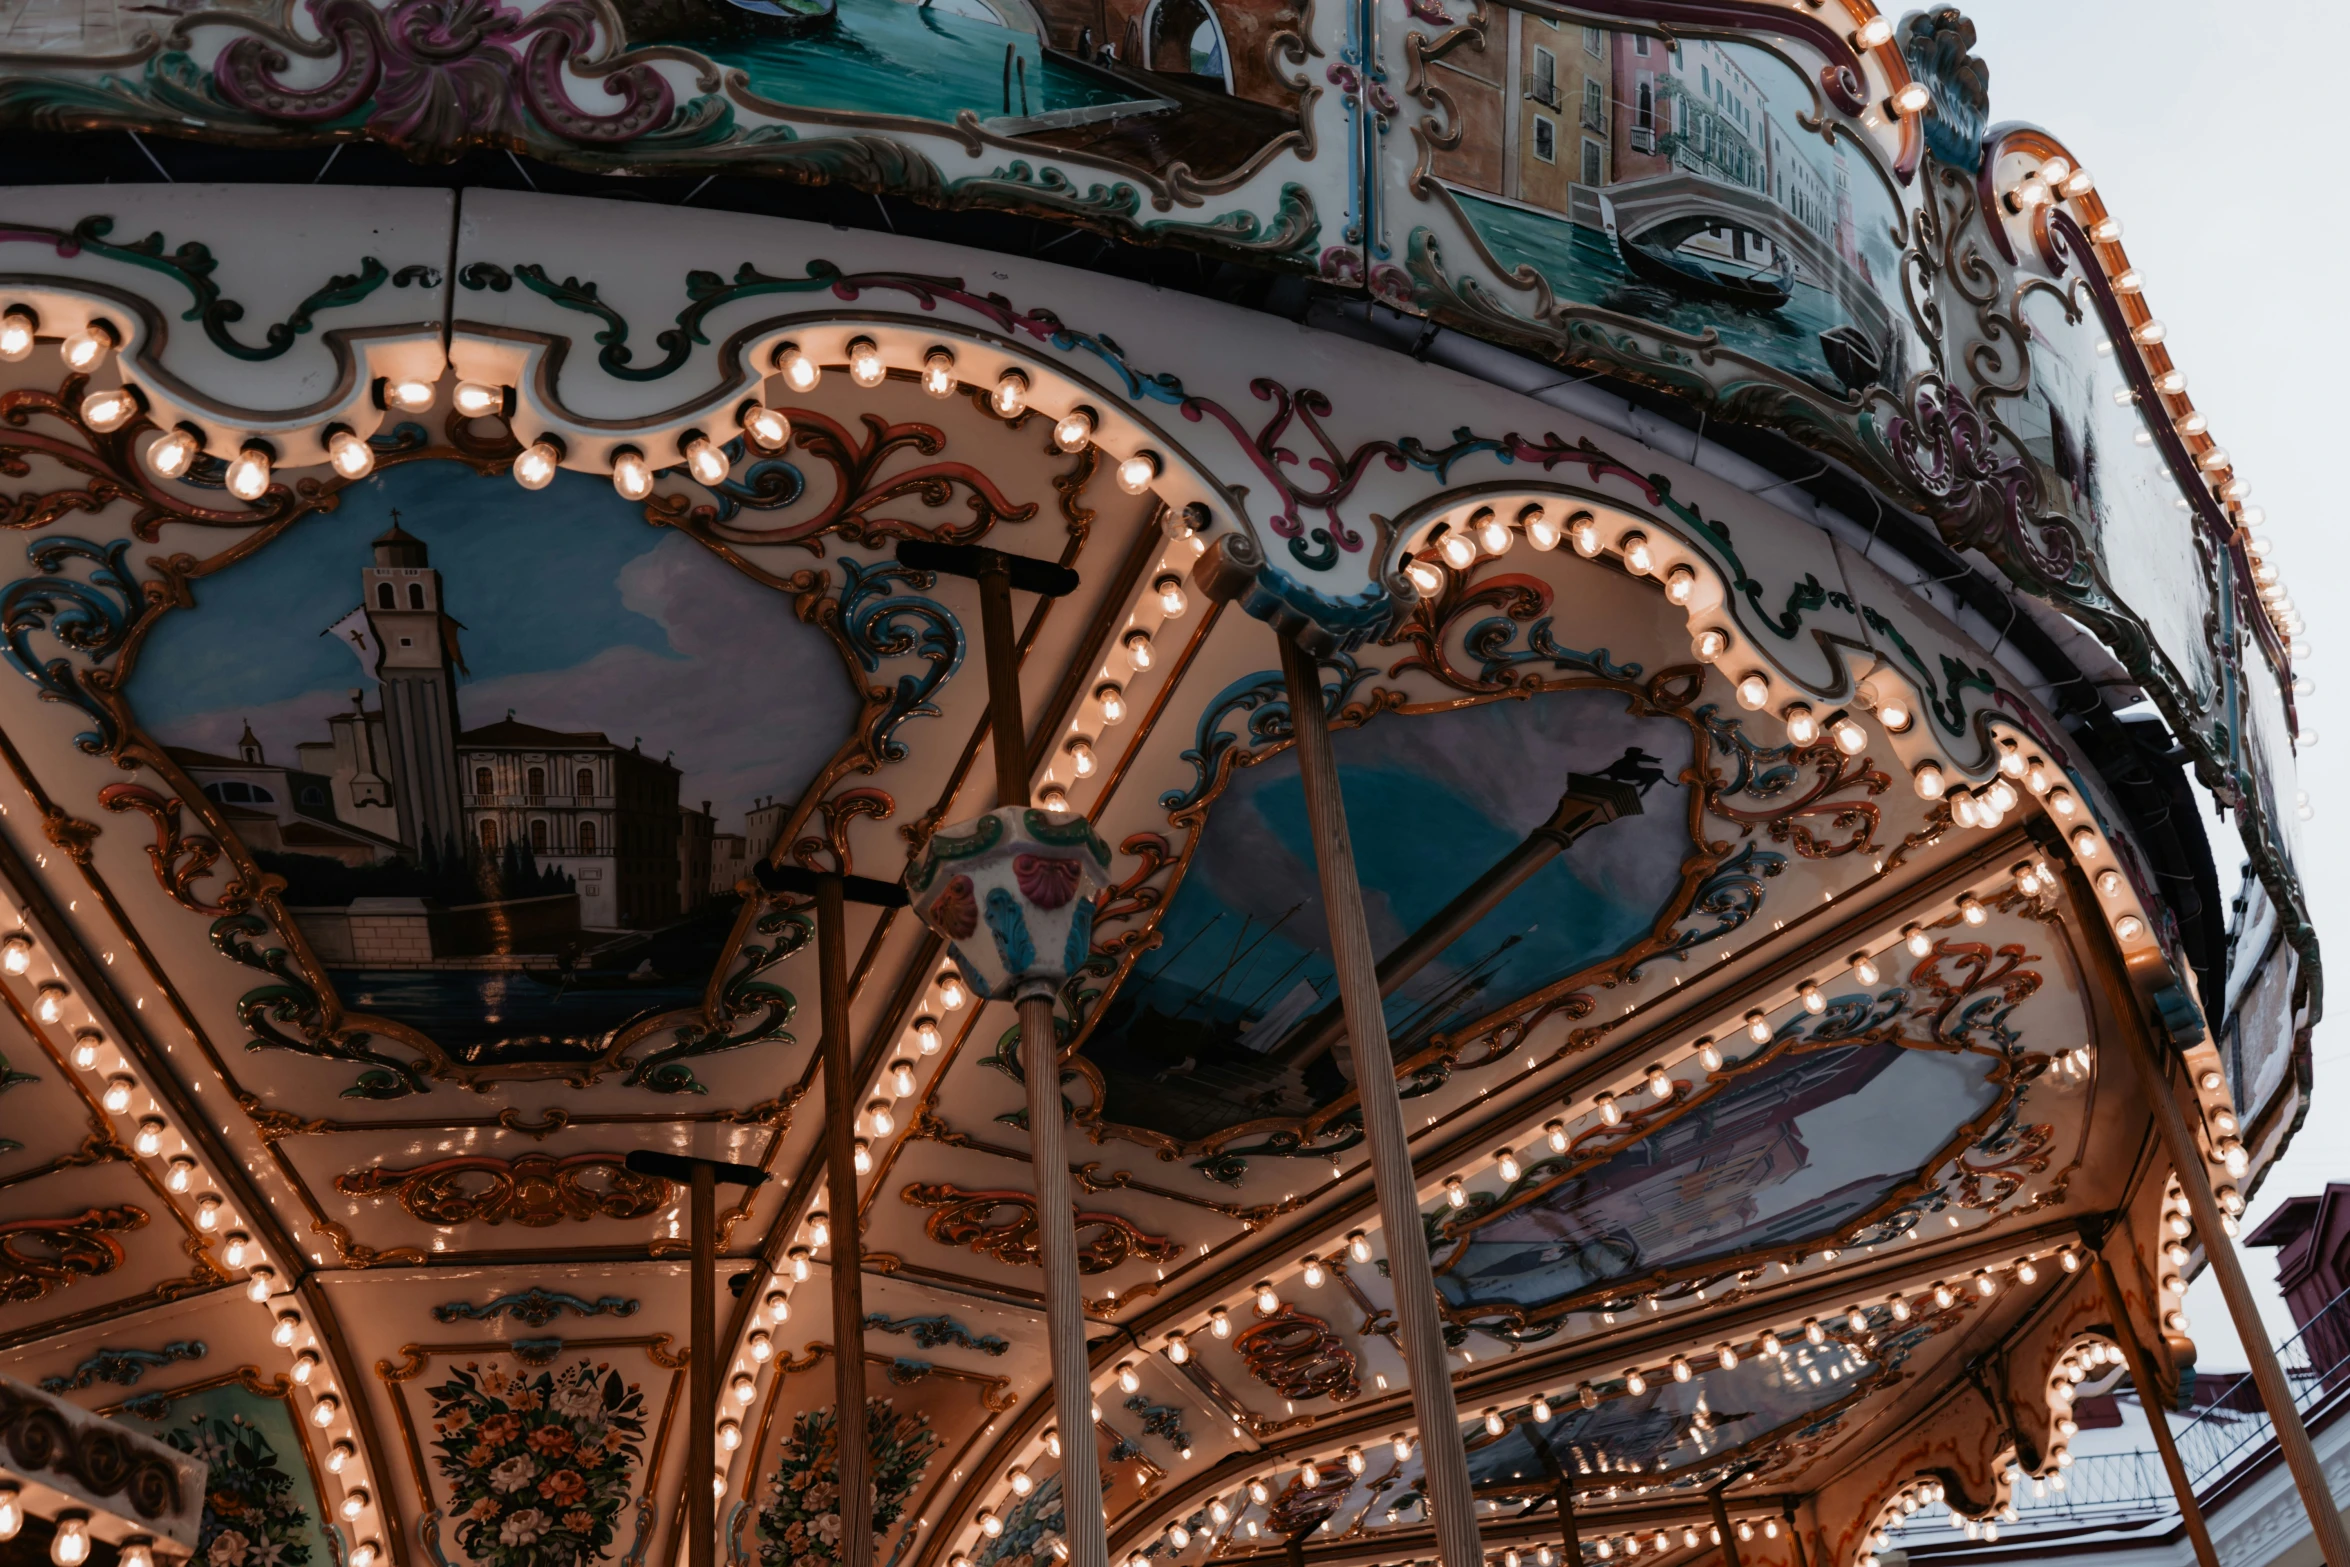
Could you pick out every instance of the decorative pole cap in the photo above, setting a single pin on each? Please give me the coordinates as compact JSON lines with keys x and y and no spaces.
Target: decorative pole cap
{"x":1012,"y":892}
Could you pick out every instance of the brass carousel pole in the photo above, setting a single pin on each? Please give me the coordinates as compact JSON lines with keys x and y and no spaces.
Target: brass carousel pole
{"x":700,"y":1178}
{"x":1722,"y":1527}
{"x":1013,"y":827}
{"x":2142,"y":1373}
{"x":2190,"y":1163}
{"x":1443,"y":1458}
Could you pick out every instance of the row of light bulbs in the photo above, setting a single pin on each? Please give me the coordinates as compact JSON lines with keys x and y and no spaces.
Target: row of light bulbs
{"x":926,"y":1036}
{"x":248,"y":473}
{"x":1166,"y":600}
{"x":2058,"y":180}
{"x":120,"y":1093}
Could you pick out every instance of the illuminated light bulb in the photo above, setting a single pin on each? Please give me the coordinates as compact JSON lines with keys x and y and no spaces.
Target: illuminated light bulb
{"x":1268,"y":1302}
{"x":305,"y":1367}
{"x":1138,"y":649}
{"x":18,"y":329}
{"x":83,"y":349}
{"x":1128,"y":1378}
{"x":476,"y":401}
{"x":49,"y":1002}
{"x":238,"y":1245}
{"x":878,"y":1117}
{"x":1494,"y":1424}
{"x":2085,"y":843}
{"x":1895,"y":715}
{"x":1455,"y":1193}
{"x":2150,"y":332}
{"x":1864,"y":968}
{"x":248,"y":472}
{"x":989,"y":1524}
{"x":1812,"y":1331}
{"x":1727,"y":1355}
{"x":1608,"y":1111}
{"x":1313,"y":1273}
{"x":149,"y":1138}
{"x":1178,"y":1349}
{"x":730,"y":1435}
{"x":110,"y":408}
{"x":2026,"y":1272}
{"x":1053,"y":799}
{"x":1458,"y":550}
{"x":1541,"y":1410}
{"x":742,"y":1387}
{"x":1637,"y":555}
{"x":355,"y":1501}
{"x":901,"y":1076}
{"x":1073,"y":429}
{"x":1898,"y":1306}
{"x":819,"y":1229}
{"x":1919,"y":943}
{"x":861,"y":1155}
{"x":535,"y":466}
{"x":1985,"y":1285}
{"x":1178,"y":1536}
{"x":1758,"y":1028}
{"x":1849,"y":736}
{"x":1710,"y":644}
{"x":1813,"y":1000}
{"x":1493,"y":535}
{"x":1802,"y":727}
{"x":2110,"y":883}
{"x":1541,"y":532}
{"x":1138,"y":472}
{"x":1172,"y":602}
{"x":927,"y":1037}
{"x":71,"y":1545}
{"x":1358,"y":1246}
{"x":1260,"y":1493}
{"x":174,"y":452}
{"x":1753,"y":691}
{"x":632,"y":476}
{"x":1970,"y":909}
{"x":1681,"y":1371}
{"x":1708,"y":1055}
{"x":1219,"y":1322}
{"x":2069,"y":1260}
{"x":322,"y":1413}
{"x":1010,"y":395}
{"x":1052,"y":1441}
{"x":951,"y":992}
{"x":1634,"y":1383}
{"x":1112,"y":698}
{"x":1681,"y":584}
{"x":1659,"y":1085}
{"x":1912,"y":98}
{"x":181,"y":1174}
{"x":2129,"y":927}
{"x":865,"y":366}
{"x":767,"y":428}
{"x":762,"y":1346}
{"x":1856,"y":1318}
{"x":2171,"y":383}
{"x":2105,"y":231}
{"x":800,"y":372}
{"x":938,"y":372}
{"x":2001,"y":795}
{"x":704,"y":459}
{"x":1424,"y":575}
{"x":1310,"y":1473}
{"x":1556,"y":1133}
{"x":288,"y":1324}
{"x":117,"y":1096}
{"x":1506,"y":1164}
{"x":1963,"y":809}
{"x":799,"y":1264}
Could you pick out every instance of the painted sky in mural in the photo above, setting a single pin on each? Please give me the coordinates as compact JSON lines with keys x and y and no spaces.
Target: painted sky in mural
{"x":1796,"y":1150}
{"x":1211,"y":1028}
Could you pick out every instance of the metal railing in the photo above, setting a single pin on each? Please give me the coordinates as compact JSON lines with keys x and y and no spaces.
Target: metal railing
{"x":2231,"y":1431}
{"x":1543,"y":90}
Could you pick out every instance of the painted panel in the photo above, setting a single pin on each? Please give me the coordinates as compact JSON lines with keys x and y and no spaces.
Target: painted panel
{"x":262,"y":1505}
{"x":489,"y":767}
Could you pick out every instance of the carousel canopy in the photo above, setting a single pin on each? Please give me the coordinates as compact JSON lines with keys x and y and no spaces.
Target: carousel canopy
{"x":1777,"y":618}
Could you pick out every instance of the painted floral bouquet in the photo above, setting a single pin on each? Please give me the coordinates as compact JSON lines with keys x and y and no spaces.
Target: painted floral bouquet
{"x":540,"y":1466}
{"x":250,"y":1516}
{"x":800,"y":1525}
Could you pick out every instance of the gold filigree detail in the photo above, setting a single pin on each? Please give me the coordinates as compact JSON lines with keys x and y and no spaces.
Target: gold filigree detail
{"x":535,"y":1190}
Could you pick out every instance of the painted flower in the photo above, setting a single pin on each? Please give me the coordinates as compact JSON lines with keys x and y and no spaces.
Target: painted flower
{"x":563,"y":1486}
{"x":229,"y":1550}
{"x":576,"y":1400}
{"x":820,"y":1496}
{"x":514,"y":1473}
{"x":552,"y":1441}
{"x":479,"y":1456}
{"x":828,"y":1528}
{"x":483,"y":1509}
{"x":266,"y":1553}
{"x":500,"y":1429}
{"x":523,"y":1527}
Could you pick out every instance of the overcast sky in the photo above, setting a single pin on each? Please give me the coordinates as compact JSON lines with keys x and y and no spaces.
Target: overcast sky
{"x":2207,"y":157}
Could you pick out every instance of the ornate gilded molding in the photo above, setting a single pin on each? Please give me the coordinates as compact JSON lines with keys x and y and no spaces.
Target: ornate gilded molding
{"x":1002,"y":1225}
{"x":41,"y":1256}
{"x":536,"y":1190}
